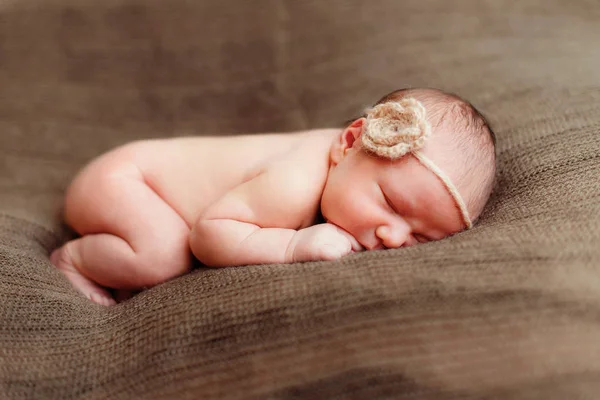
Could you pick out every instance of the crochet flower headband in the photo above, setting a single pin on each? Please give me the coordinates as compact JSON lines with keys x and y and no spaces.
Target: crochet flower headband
{"x":394,"y":129}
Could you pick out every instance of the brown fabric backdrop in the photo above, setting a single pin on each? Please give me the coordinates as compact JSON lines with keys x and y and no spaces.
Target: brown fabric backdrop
{"x":508,"y":310}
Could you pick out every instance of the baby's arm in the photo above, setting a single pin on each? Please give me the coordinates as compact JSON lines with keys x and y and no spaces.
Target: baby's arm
{"x":254,"y":224}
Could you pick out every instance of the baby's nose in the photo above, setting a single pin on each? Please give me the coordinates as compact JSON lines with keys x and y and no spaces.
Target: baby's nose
{"x":391,"y":238}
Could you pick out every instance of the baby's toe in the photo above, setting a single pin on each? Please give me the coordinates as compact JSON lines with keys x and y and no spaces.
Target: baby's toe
{"x":102,"y":299}
{"x":55,"y":256}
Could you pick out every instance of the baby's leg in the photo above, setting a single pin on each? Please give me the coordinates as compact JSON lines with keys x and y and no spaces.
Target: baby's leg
{"x":131,"y":237}
{"x":88,"y":263}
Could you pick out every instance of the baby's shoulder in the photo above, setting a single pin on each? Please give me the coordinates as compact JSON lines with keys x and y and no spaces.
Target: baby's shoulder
{"x":304,"y":163}
{"x":299,"y":178}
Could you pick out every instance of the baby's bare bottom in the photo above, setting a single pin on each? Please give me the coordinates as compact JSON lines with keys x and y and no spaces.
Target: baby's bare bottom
{"x":131,"y":238}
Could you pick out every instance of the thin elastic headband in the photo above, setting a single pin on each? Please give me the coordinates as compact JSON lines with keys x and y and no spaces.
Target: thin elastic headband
{"x":448,"y":184}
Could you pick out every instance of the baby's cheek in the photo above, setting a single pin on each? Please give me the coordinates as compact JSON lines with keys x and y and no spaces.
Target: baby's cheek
{"x":344,"y":207}
{"x":359,"y":215}
{"x":332,"y":212}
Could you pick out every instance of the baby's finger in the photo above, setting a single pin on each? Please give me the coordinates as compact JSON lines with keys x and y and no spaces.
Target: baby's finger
{"x":356,"y":246}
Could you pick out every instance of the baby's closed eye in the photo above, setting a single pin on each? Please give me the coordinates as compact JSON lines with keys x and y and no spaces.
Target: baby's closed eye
{"x":387,"y":200}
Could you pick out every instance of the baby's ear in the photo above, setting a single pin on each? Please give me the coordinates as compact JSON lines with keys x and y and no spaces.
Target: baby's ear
{"x":347,"y":139}
{"x":352,"y":133}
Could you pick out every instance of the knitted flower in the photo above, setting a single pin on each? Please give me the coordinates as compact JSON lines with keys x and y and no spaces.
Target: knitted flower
{"x":394,"y":128}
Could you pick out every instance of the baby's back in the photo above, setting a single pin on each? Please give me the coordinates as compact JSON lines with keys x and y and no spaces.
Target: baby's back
{"x":189,"y":173}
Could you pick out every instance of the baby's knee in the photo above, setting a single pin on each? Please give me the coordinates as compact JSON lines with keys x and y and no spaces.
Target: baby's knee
{"x":94,"y":197}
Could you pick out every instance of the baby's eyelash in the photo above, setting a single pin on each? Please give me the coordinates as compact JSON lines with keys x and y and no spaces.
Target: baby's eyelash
{"x":387,"y":200}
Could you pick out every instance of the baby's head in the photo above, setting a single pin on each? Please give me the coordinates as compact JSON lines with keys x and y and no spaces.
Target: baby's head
{"x":418,"y":166}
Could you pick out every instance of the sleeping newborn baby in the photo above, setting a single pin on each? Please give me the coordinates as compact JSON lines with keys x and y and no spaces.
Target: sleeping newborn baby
{"x":418,"y":166}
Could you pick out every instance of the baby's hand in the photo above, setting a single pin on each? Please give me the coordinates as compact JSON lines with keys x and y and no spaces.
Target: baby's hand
{"x":321,"y":242}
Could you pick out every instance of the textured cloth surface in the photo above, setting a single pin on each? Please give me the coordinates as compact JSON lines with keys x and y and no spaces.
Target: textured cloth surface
{"x":507,"y":310}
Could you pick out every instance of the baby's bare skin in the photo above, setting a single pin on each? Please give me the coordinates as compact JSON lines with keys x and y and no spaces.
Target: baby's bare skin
{"x":145,"y":209}
{"x":137,"y":205}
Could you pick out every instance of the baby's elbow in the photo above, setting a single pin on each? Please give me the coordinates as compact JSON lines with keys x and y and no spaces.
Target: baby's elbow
{"x":204,"y":245}
{"x":195,"y":239}
{"x":199,"y":244}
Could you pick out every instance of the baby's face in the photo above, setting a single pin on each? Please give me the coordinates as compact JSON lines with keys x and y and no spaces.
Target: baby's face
{"x":388,"y":204}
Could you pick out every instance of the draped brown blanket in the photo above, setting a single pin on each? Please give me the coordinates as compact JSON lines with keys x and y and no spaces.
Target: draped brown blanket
{"x":507,"y":310}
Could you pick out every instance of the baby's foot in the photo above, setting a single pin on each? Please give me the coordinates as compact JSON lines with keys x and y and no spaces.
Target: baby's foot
{"x":90,"y":289}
